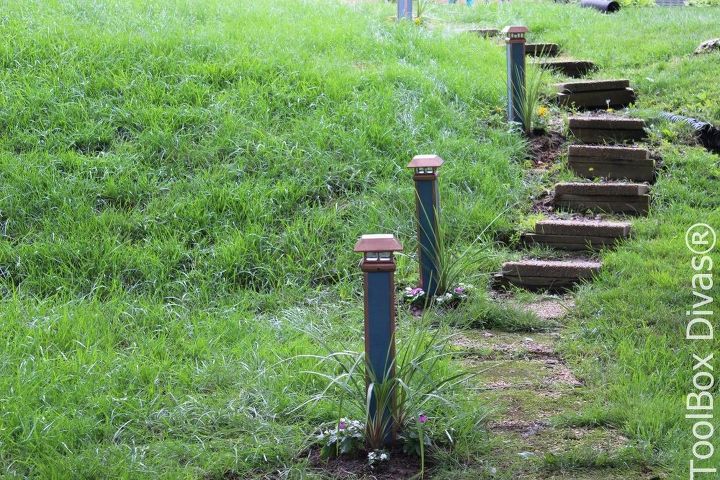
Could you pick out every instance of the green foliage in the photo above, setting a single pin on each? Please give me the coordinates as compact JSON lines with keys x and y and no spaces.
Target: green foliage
{"x":417,"y":381}
{"x":530,"y":95}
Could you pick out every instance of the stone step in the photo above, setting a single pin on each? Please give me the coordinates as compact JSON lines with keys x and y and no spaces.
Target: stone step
{"x":542,"y":49}
{"x":618,"y":98}
{"x":546,"y":274}
{"x":592,"y":86}
{"x":630,"y":198}
{"x":577,"y":234}
{"x":607,"y":129}
{"x":485,"y":32}
{"x":601,"y":189}
{"x":593,"y":161}
{"x":570,"y":68}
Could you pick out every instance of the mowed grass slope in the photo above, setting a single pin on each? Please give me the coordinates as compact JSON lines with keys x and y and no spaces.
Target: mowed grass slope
{"x":182,"y":184}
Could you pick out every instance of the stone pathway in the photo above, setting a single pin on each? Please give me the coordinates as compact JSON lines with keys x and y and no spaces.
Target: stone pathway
{"x":538,"y":429}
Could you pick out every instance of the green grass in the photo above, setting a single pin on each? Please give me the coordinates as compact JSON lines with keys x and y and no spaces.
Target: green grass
{"x":182,"y":185}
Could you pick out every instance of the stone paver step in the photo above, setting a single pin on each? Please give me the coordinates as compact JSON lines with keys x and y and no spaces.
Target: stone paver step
{"x":546,"y":274}
{"x":592,"y":86}
{"x":612,"y":162}
{"x":618,"y":98}
{"x":630,"y":198}
{"x":577,"y":234}
{"x":542,"y":49}
{"x":571,"y":68}
{"x":605,"y":129}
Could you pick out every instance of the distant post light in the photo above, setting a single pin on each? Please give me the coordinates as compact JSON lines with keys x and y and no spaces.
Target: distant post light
{"x":404,"y":9}
{"x":427,"y":212}
{"x":378,"y":266}
{"x":515,"y":40}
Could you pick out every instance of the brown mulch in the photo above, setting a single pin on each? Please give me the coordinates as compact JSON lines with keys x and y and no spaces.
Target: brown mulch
{"x":545,"y":148}
{"x":400,"y":466}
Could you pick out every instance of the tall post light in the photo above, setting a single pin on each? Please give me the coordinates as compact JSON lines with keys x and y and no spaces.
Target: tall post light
{"x":378,"y":266}
{"x":427,"y":212}
{"x":515,"y":46}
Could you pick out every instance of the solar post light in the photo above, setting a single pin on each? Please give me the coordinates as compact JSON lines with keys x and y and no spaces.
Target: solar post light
{"x":515,"y":40}
{"x":427,"y":210}
{"x":404,"y":9}
{"x":378,"y":266}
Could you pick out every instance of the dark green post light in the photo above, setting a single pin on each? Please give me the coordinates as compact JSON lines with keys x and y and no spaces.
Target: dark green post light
{"x":427,"y":208}
{"x":515,"y":40}
{"x":404,"y":9}
{"x":378,"y":266}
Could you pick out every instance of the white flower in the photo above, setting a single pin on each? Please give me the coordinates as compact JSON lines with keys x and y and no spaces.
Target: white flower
{"x":384,"y":456}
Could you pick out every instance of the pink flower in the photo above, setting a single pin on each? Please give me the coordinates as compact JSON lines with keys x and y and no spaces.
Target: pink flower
{"x":342,"y":425}
{"x":459,"y":290}
{"x":422,"y":418}
{"x":416,"y":291}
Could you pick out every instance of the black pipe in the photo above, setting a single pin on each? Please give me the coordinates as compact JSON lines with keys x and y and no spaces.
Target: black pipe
{"x":605,"y":6}
{"x":707,"y":134}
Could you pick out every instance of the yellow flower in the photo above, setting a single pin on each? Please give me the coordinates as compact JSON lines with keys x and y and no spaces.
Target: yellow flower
{"x":542,"y":111}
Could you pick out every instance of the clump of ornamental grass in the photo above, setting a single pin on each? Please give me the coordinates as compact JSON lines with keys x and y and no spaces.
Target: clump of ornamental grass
{"x":530,"y":96}
{"x":422,"y":383}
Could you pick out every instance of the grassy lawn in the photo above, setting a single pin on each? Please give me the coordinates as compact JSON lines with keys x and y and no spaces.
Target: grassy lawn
{"x":182,"y":184}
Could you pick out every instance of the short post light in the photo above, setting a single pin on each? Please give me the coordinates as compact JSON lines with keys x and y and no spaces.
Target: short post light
{"x":515,"y":40}
{"x":427,"y":212}
{"x":404,"y":9}
{"x":378,"y":266}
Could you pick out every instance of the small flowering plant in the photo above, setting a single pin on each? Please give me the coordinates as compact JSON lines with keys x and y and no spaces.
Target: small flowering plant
{"x":415,"y":297}
{"x":415,"y":439}
{"x":378,"y":458}
{"x":347,"y":437}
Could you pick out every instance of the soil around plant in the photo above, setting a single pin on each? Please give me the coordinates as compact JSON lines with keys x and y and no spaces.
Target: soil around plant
{"x":545,"y":148}
{"x":400,"y":466}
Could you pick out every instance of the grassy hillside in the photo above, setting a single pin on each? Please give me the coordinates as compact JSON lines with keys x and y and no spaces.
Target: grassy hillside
{"x":182,"y":184}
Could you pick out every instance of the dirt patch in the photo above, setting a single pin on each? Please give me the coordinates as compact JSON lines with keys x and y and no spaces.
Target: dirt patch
{"x":550,"y":309}
{"x":561,"y":374}
{"x":400,"y":466}
{"x":545,"y":148}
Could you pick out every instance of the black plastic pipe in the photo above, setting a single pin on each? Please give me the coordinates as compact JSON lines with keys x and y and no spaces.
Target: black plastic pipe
{"x":707,"y":134}
{"x":605,"y":6}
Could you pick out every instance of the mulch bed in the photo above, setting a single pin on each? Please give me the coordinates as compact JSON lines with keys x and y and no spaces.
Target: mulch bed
{"x":400,"y":466}
{"x":545,"y":148}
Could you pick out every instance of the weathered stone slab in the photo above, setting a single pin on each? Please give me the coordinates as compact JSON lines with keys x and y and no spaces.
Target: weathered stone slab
{"x":608,"y":136}
{"x":568,"y":242}
{"x":571,"y":68}
{"x":635,"y":205}
{"x":535,"y":283}
{"x":592,"y":86}
{"x":635,"y":170}
{"x":610,"y":123}
{"x":595,"y":228}
{"x":607,"y":129}
{"x":542,"y":49}
{"x":608,"y":152}
{"x":485,"y":32}
{"x":599,"y":99}
{"x":551,"y":268}
{"x":601,"y":189}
